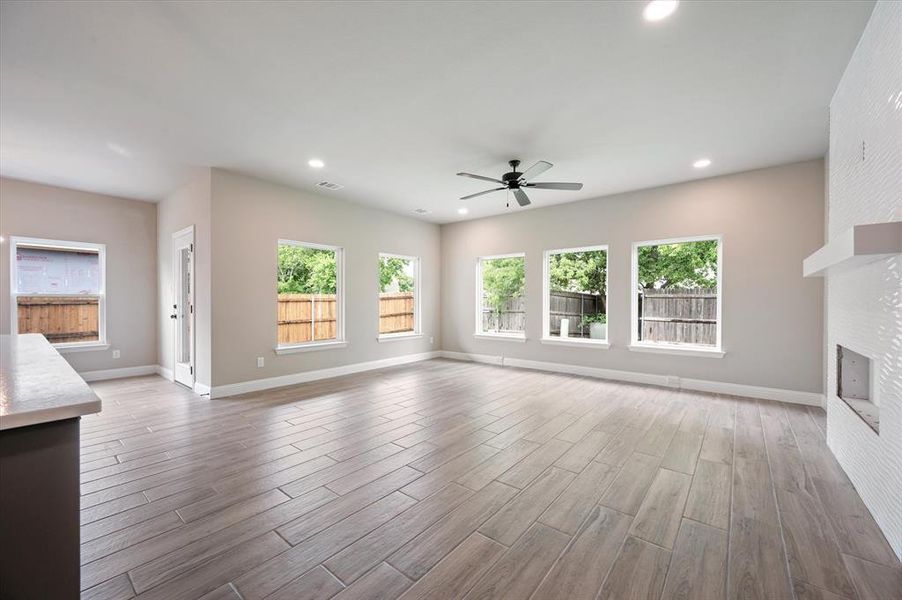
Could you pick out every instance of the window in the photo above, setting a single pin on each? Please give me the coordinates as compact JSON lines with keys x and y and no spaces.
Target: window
{"x":676,"y":300}
{"x":399,"y":307}
{"x":310,"y":302}
{"x":500,"y":301}
{"x":575,"y":296}
{"x":58,"y":290}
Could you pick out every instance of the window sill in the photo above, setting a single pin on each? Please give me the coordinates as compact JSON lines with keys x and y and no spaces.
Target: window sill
{"x":397,"y":337}
{"x":504,"y":337}
{"x":576,"y":343}
{"x":310,"y":347}
{"x":63,"y":349}
{"x":678,"y":350}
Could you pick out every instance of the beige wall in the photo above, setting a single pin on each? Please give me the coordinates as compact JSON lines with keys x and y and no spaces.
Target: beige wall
{"x":127,"y":227}
{"x":249,"y":217}
{"x":770,"y":219}
{"x":189,"y":205}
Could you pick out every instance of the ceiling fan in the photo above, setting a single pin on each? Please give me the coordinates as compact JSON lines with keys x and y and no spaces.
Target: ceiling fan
{"x":516,"y":181}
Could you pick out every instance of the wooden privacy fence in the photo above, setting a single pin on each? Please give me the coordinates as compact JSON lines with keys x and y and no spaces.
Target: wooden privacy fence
{"x":396,"y":312}
{"x":306,"y":317}
{"x":563,"y":305}
{"x":310,"y":317}
{"x":573,"y":306}
{"x":511,"y":317}
{"x":62,"y":319}
{"x":682,"y":316}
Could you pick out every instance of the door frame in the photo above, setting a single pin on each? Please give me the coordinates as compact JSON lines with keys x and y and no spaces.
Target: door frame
{"x":176,"y":289}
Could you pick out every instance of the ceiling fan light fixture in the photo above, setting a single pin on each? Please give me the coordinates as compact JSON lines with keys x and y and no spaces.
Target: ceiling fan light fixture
{"x":658,"y":10}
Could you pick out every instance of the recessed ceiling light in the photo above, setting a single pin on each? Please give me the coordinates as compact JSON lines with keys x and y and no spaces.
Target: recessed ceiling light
{"x":316,"y":163}
{"x":701,"y":163}
{"x":462,"y":211}
{"x":658,"y":10}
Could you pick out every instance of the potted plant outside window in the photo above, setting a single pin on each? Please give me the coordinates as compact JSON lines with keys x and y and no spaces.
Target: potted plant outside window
{"x":598,"y":325}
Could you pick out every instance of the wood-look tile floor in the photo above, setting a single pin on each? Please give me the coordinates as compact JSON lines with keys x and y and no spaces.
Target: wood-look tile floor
{"x":456,"y":480}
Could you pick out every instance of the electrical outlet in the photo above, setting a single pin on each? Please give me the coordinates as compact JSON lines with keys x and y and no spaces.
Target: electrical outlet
{"x":259,"y":362}
{"x":115,"y":353}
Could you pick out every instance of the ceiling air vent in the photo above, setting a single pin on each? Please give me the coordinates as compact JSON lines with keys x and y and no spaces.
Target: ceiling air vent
{"x":329,"y":185}
{"x":421,"y":211}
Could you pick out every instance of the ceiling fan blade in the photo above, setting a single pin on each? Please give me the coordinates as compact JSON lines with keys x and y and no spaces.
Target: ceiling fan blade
{"x":481,"y":193}
{"x":535,"y":170}
{"x":471,"y":176}
{"x":548,"y":185}
{"x":522,"y":198}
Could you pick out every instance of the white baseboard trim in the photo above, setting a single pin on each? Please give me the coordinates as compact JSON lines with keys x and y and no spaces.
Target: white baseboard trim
{"x":119,"y":373}
{"x":256,"y":385}
{"x":480,"y":358}
{"x":754,"y":391}
{"x":617,"y":375}
{"x":697,"y":385}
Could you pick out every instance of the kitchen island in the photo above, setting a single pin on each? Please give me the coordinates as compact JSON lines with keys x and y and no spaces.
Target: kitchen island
{"x":42,"y":399}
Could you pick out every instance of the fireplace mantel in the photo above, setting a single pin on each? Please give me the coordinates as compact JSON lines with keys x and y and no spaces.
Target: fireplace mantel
{"x":854,"y":247}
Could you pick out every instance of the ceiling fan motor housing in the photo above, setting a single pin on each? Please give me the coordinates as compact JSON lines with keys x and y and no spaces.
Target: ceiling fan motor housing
{"x":512,"y":179}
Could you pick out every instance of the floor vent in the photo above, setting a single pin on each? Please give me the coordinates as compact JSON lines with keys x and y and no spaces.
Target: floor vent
{"x":329,"y":185}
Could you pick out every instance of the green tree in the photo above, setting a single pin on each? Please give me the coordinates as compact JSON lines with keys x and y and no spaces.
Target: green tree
{"x":306,"y":270}
{"x":292,"y":269}
{"x":502,"y":279}
{"x":323,"y":273}
{"x":394,"y":269}
{"x":686,"y":265}
{"x":579,"y":271}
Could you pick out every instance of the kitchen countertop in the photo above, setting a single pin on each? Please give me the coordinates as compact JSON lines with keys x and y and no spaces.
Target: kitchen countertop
{"x":37,"y":385}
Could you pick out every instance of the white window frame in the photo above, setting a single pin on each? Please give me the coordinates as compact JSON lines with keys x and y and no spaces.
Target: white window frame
{"x":417,"y":319}
{"x":546,"y":301}
{"x":489,"y":335}
{"x":340,"y":341}
{"x":715,"y":351}
{"x":64,"y":245}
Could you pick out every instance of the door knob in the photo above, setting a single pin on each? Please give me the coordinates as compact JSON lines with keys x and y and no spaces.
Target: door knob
{"x":173,"y":316}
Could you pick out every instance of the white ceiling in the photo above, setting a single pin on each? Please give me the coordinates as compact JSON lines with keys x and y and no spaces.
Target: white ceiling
{"x":123,"y":98}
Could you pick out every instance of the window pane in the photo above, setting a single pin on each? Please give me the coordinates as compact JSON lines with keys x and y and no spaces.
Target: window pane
{"x":45,"y":271}
{"x":503,"y":305}
{"x":577,"y":294}
{"x":307,"y":285}
{"x":62,"y":319}
{"x":397,"y":287}
{"x":677,"y":295}
{"x":184,"y":324}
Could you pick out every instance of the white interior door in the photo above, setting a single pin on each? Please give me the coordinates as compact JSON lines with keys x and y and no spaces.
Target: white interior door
{"x":182,"y":314}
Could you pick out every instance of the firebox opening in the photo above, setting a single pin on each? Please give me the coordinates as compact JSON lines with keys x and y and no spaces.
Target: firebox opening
{"x":853,"y":385}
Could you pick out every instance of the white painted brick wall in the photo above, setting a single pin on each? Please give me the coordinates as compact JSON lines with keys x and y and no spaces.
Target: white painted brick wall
{"x":864,"y":305}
